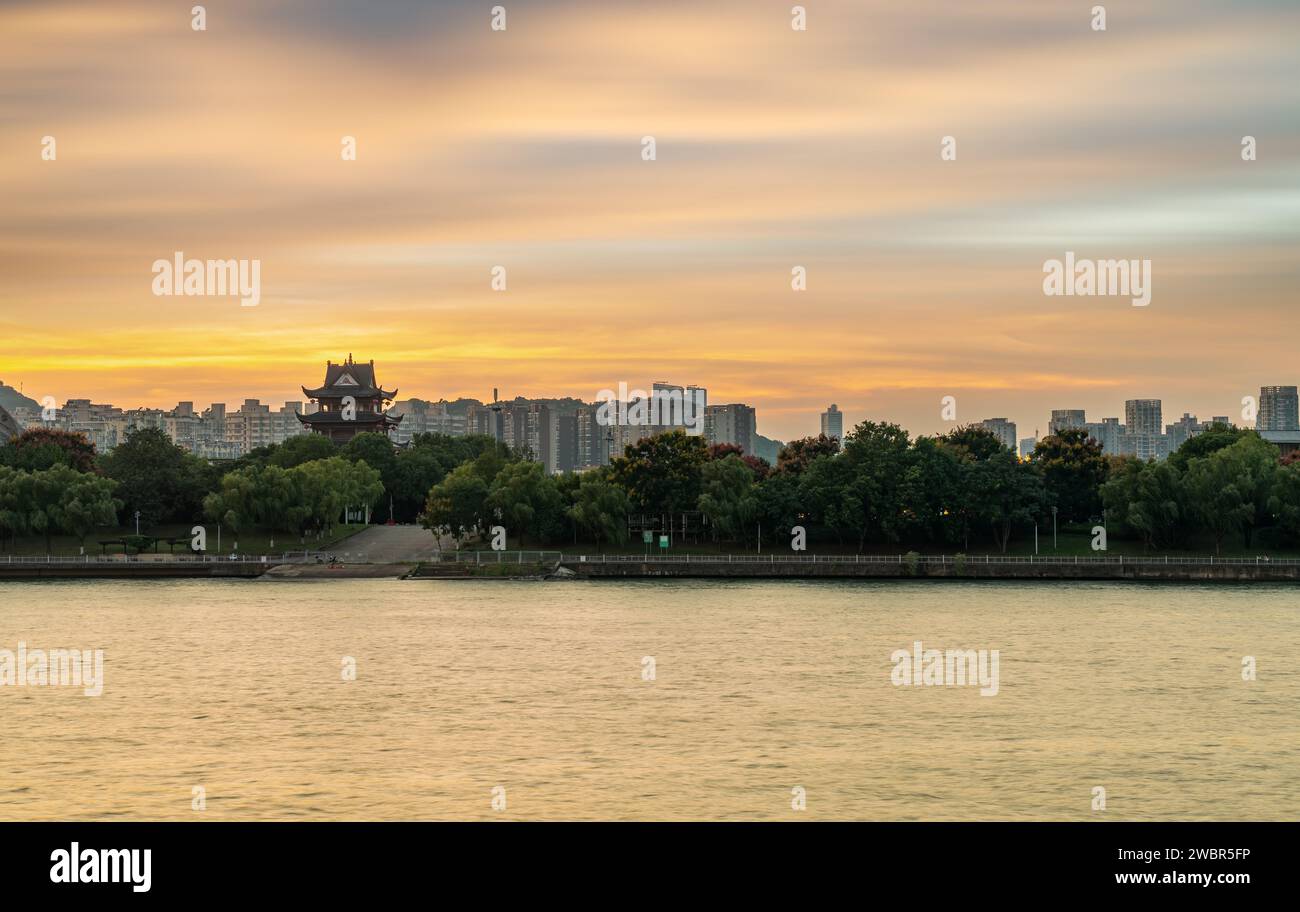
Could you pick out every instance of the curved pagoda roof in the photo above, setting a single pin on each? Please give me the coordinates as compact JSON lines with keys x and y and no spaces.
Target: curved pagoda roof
{"x":361,"y":419}
{"x":349,"y":379}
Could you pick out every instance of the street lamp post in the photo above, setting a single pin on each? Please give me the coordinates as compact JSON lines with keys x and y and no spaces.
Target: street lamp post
{"x":137,"y":522}
{"x":1053,"y":528}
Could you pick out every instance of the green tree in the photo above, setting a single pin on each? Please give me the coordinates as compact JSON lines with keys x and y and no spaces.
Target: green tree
{"x":990,"y":486}
{"x":1073,"y":471}
{"x":600,"y":508}
{"x":972,"y":443}
{"x":277,"y":501}
{"x":457,"y":505}
{"x":158,"y":478}
{"x":728,"y":498}
{"x":525,"y":500}
{"x":877,"y":456}
{"x":327,"y":486}
{"x":416,"y":471}
{"x":232,"y":504}
{"x":779,"y":507}
{"x":827,"y":494}
{"x":663,"y":472}
{"x":931,"y":491}
{"x":797,"y":455}
{"x":1148,"y":498}
{"x":1217,"y":504}
{"x":1009,"y":494}
{"x":1211,"y":440}
{"x":86,"y":502}
{"x":302,"y":448}
{"x":1284,"y":501}
{"x":41,"y":495}
{"x":13,"y":514}
{"x":1230,"y":489}
{"x":377,"y":451}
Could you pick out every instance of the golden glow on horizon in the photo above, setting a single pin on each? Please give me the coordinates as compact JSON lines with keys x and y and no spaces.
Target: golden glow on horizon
{"x":775,"y":148}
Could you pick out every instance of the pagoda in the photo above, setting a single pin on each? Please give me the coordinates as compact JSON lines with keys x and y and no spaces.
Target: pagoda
{"x":350,"y":402}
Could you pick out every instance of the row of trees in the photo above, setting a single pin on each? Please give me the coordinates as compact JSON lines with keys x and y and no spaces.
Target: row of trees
{"x":885,"y":489}
{"x":1235,"y":486}
{"x":300,"y":485}
{"x":880,"y":489}
{"x":406,"y":475}
{"x":54,"y":500}
{"x":309,"y":496}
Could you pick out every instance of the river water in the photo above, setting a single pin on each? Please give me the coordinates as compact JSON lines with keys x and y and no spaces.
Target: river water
{"x":227,"y":699}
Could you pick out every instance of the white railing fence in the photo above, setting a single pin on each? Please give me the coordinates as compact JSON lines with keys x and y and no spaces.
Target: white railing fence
{"x":968,"y":560}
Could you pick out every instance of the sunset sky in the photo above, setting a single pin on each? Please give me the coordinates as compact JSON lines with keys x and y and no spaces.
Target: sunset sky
{"x":775,"y":148}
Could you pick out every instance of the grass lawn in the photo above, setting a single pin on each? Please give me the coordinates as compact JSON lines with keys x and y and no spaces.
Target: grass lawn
{"x":251,"y":542}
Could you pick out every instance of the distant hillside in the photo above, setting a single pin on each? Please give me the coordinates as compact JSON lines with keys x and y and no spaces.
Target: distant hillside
{"x":11,"y":399}
{"x":766,"y":448}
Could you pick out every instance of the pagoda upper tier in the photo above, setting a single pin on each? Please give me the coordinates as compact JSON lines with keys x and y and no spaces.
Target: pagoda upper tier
{"x":351,"y":402}
{"x":349,"y":379}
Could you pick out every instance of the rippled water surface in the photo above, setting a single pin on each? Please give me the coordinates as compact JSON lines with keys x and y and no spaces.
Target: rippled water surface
{"x":759,"y":688}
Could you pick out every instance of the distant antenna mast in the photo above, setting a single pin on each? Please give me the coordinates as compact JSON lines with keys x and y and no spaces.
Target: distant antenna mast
{"x":497,"y":430}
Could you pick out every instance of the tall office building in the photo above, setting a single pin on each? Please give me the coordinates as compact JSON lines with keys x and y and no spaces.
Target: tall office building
{"x":595,"y":445}
{"x":564,"y":446}
{"x":1183,"y":430}
{"x":674,"y":407}
{"x":1279,"y":409}
{"x":734,"y":423}
{"x":1106,"y":432}
{"x":833,"y":422}
{"x":1065,"y":418}
{"x":1002,"y":429}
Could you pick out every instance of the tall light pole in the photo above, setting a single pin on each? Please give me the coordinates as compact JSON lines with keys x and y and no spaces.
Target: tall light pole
{"x":137,"y":522}
{"x":1053,"y":527}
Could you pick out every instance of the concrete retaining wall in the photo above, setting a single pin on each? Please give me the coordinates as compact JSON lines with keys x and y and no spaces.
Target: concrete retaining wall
{"x":970,"y":570}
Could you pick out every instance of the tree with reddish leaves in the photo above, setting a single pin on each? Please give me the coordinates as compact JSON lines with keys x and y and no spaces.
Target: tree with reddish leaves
{"x":38,"y":449}
{"x":797,"y":455}
{"x":760,"y":467}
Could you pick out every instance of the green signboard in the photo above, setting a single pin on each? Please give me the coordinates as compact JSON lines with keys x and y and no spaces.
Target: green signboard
{"x":648,"y":537}
{"x":663,"y":541}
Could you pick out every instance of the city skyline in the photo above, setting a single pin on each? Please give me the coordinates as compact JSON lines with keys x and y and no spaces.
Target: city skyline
{"x":1276,"y":405}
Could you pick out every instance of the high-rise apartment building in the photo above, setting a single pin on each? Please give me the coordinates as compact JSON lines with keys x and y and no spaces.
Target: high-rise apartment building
{"x":1002,"y":429}
{"x":675,"y":407}
{"x":1182,"y":430}
{"x":1106,"y":432}
{"x":1142,"y":416}
{"x":421,"y":417}
{"x":735,"y":423}
{"x":1279,"y":409}
{"x":1065,"y":418}
{"x":833,"y":422}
